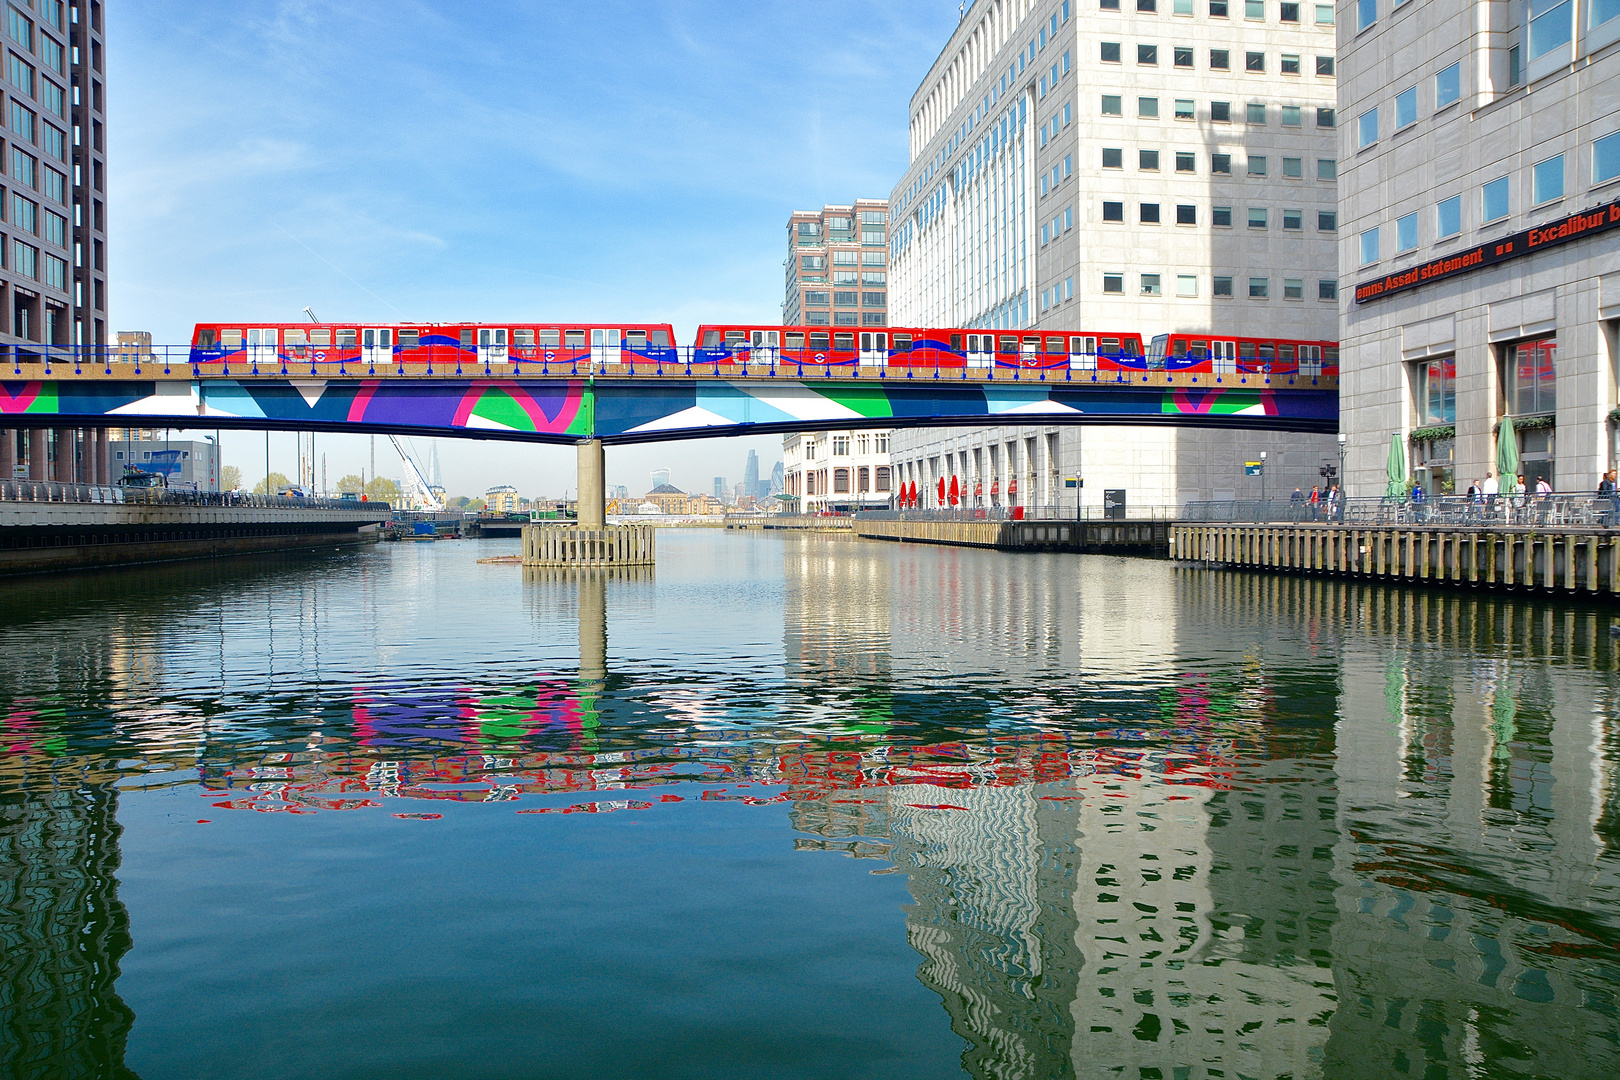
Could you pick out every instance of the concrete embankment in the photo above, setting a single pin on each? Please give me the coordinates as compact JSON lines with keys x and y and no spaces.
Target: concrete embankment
{"x":1116,"y":537}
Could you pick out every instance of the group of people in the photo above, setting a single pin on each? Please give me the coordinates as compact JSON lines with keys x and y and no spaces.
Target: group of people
{"x":1322,"y":503}
{"x":1490,"y":487}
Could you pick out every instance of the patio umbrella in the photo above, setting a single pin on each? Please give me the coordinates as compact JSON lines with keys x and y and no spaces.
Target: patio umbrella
{"x":942,"y":491}
{"x":1507,"y":457}
{"x":956,"y":492}
{"x":1397,"y":468}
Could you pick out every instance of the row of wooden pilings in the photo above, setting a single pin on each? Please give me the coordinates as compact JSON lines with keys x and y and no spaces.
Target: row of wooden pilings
{"x":1561,"y":560}
{"x":567,"y":545}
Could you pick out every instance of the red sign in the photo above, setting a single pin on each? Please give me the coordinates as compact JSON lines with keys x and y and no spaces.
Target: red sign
{"x":1573,"y":227}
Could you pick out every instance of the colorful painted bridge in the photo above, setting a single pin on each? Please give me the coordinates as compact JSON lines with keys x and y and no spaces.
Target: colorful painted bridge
{"x":620,"y":409}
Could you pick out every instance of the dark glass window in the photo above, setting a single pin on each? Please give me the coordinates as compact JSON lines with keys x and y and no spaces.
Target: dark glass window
{"x":1113,"y":211}
{"x":1220,"y":59}
{"x":1150,"y":213}
{"x":1186,"y":214}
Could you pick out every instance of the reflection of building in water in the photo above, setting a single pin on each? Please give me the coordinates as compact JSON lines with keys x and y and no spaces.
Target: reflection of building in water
{"x":836,"y":612}
{"x":63,"y":930}
{"x":1475,"y":887}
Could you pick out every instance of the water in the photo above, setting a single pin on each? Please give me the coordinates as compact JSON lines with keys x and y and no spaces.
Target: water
{"x":801,"y":807}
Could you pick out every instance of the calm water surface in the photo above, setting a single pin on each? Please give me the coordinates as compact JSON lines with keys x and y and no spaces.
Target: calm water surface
{"x":801,"y":807}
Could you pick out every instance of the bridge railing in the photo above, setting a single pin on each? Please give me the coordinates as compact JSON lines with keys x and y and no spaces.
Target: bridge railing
{"x":1145,"y":512}
{"x":1521,"y":510}
{"x":48,"y":491}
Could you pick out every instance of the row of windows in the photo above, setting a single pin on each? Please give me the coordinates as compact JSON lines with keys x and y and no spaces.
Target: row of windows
{"x":49,"y":50}
{"x":1051,"y":298}
{"x":25,"y":125}
{"x":1447,"y":87}
{"x":1147,"y":55}
{"x":1547,"y":184}
{"x":845,"y":258}
{"x":26,"y":260}
{"x":1255,"y":113}
{"x":1186,"y":161}
{"x":25,"y":214}
{"x":849,"y":298}
{"x":1253,"y":10}
{"x":845,"y":318}
{"x":25,"y":169}
{"x":1061,"y":171}
{"x":1060,"y":224}
{"x":1258,"y":217}
{"x":1222,"y":286}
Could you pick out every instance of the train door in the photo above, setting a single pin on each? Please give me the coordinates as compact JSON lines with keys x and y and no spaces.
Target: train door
{"x":605,"y":345}
{"x":874,"y":350}
{"x":1083,"y":353}
{"x":981,"y":350}
{"x":1223,"y":357}
{"x":1030,"y":353}
{"x":491,"y":345}
{"x":1310,"y":360}
{"x":261,"y":346}
{"x":376,"y":346}
{"x":764,"y":344}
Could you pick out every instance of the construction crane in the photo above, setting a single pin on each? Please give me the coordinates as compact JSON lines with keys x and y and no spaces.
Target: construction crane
{"x":414,"y":476}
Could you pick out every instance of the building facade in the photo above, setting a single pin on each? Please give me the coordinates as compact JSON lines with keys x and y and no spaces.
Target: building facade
{"x":1481,"y":150}
{"x":182,"y":464}
{"x":502,"y":500}
{"x":837,"y":266}
{"x":838,"y":470}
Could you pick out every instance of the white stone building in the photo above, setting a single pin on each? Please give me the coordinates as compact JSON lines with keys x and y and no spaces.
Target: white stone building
{"x":837,"y":470}
{"x":1471,"y":131}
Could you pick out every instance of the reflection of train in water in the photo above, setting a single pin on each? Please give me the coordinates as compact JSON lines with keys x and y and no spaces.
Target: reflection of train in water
{"x":650,"y":346}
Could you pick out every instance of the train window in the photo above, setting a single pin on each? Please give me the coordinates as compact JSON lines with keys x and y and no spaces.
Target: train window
{"x":1310,"y":352}
{"x":711,"y":339}
{"x":467,"y":339}
{"x":1330,"y":353}
{"x":346,"y":339}
{"x":295,"y":337}
{"x":1082,"y":345}
{"x":843,"y":342}
{"x":902,"y":343}
{"x":736,"y":339}
{"x":205,"y":339}
{"x":820,"y":339}
{"x":1130,"y":346}
{"x":1246,"y":350}
{"x":410,"y":339}
{"x":659,"y":338}
{"x":320,"y":337}
{"x":231,"y":338}
{"x":1179,"y":347}
{"x":794,"y":341}
{"x":385,"y":338}
{"x":523,"y":338}
{"x":1285,"y":352}
{"x":574,"y":339}
{"x":635,"y":339}
{"x":1110,"y":346}
{"x":1054,"y":344}
{"x":548,"y":339}
{"x":1267,"y":350}
{"x":1199,"y":349}
{"x":1009,"y":345}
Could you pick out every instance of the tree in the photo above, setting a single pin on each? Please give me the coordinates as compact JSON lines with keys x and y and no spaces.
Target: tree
{"x":278,"y":482}
{"x":350,"y":483}
{"x":382,"y":489}
{"x":473,"y":504}
{"x":460,"y":502}
{"x":230,"y":478}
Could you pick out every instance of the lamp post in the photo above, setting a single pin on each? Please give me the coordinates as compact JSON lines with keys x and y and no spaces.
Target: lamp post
{"x":1262,"y":476}
{"x":1342,"y":493}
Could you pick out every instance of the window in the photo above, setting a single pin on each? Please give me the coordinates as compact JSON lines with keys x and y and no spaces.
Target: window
{"x":1324,"y":67}
{"x":1184,"y":108}
{"x":1186,"y":284}
{"x":1289,"y":63}
{"x":56,"y":272}
{"x":1369,"y":246}
{"x":1606,"y":158}
{"x":55,"y":185}
{"x":1108,"y":5}
{"x":1294,"y":168}
{"x":22,"y":121}
{"x":1327,"y":221}
{"x":1183,"y":56}
{"x":1366,"y":14}
{"x":1220,"y":59}
{"x":1406,"y":233}
{"x":1113,"y":158}
{"x":21,"y":74}
{"x":53,"y":98}
{"x":1147,"y":5}
{"x":54,"y":140}
{"x":840,"y":258}
{"x":1256,"y":113}
{"x":24,"y":214}
{"x":1494,"y":200}
{"x":1222,"y":286}
{"x":1044,"y":235}
{"x":1110,"y":52}
{"x":1185,"y":161}
{"x":845,"y":277}
{"x":52,"y":11}
{"x":1147,"y":160}
{"x":874,"y":277}
{"x":1448,"y":86}
{"x":1150,"y":285}
{"x":1367,"y":129}
{"x":1436,"y":383}
{"x":1405,"y":108}
{"x":1513,"y":66}
{"x":1113,"y":211}
{"x":56,"y":229}
{"x":1254,"y":61}
{"x":1186,"y":214}
{"x":24,"y":259}
{"x":1293,"y":288}
{"x":1217,"y":9}
{"x":1149,"y":214}
{"x":1547,"y":180}
{"x":51,"y":53}
{"x":1221,"y":215}
{"x":1147,"y":107}
{"x":1327,"y":168}
{"x":1147,"y":55}
{"x":1290,"y":116}
{"x":1065,"y":115}
{"x":1327,"y":289}
{"x":1552,"y":24}
{"x":1293,"y":219}
{"x":22,"y":31}
{"x":1448,"y":217}
{"x":1113,"y":283}
{"x":1259,"y":288}
{"x":1324,"y":14}
{"x":845,"y":298}
{"x":1254,"y":9}
{"x":1326,"y":118}
{"x":1068,"y":165}
{"x":1112,"y":105}
{"x":1220,"y":112}
{"x":1257,"y":165}
{"x":22,"y":167}
{"x":1288,"y":13}
{"x":1257,"y":217}
{"x":1183,"y":7}
{"x":1220,"y":163}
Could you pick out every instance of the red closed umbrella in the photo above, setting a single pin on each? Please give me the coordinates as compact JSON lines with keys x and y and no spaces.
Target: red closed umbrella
{"x":911,"y":494}
{"x":942,"y":491}
{"x":956,"y":492}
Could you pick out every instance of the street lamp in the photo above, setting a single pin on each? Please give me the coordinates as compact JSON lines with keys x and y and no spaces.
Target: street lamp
{"x":1262,"y":476}
{"x":1342,"y":492}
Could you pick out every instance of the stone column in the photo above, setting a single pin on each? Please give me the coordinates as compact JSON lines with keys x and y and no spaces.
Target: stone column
{"x":8,"y":453}
{"x":592,"y":486}
{"x":65,"y":453}
{"x":104,"y":456}
{"x":38,"y":464}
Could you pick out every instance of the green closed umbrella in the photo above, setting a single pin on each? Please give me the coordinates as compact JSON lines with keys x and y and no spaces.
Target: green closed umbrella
{"x":1507,"y":457}
{"x":1397,"y":468}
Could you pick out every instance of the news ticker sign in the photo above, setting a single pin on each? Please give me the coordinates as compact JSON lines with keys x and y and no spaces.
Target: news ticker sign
{"x":1573,"y":227}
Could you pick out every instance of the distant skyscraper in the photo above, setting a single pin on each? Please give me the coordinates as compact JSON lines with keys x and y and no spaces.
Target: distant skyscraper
{"x":720,"y":487}
{"x":751,"y":476}
{"x":660,"y":478}
{"x":778,"y":474}
{"x":837,"y":266}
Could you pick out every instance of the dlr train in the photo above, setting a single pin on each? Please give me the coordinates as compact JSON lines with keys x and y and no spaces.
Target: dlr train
{"x":562,"y":348}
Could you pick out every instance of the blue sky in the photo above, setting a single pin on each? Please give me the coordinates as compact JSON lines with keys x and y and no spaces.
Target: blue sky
{"x":414,"y":161}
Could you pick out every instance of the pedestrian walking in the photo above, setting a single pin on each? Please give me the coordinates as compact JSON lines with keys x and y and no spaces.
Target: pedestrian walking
{"x":1607,"y":502}
{"x":1316,"y":503}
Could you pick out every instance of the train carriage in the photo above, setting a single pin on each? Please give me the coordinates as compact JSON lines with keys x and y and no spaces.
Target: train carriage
{"x":915,"y":347}
{"x":1220,"y":355}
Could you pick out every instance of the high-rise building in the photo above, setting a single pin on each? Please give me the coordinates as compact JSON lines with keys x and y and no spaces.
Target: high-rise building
{"x":660,"y":478}
{"x":1482,"y":157}
{"x":56,"y":203}
{"x":750,"y":485}
{"x":720,"y":487}
{"x":1131,"y":165}
{"x":837,"y":266}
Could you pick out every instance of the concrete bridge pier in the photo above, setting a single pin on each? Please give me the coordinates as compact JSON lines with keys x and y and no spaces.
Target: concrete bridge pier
{"x":8,"y":454}
{"x":592,"y":485}
{"x":39,"y":467}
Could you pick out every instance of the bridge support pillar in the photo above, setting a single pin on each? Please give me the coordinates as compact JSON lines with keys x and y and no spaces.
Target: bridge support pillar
{"x":8,"y":454}
{"x":65,"y":452}
{"x":592,"y":485}
{"x":38,"y":467}
{"x":103,"y":456}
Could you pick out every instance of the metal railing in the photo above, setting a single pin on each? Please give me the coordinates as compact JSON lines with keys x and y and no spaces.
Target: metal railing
{"x":1099,"y":514}
{"x":50,"y":491}
{"x":47,"y":491}
{"x":1482,"y":512}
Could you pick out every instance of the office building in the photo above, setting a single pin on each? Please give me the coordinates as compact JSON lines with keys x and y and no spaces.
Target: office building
{"x":750,"y":483}
{"x":193,"y":465}
{"x":53,"y":272}
{"x":720,"y":488}
{"x":497,"y":500}
{"x":660,"y":478}
{"x":1138,"y":165}
{"x":837,"y":470}
{"x":837,"y":266}
{"x":1481,"y":150}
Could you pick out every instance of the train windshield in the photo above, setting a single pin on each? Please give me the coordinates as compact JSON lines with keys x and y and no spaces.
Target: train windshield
{"x":1156,"y":350}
